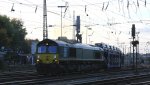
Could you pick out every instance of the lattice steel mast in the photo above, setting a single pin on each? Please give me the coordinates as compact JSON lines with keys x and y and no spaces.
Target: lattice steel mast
{"x":45,"y":31}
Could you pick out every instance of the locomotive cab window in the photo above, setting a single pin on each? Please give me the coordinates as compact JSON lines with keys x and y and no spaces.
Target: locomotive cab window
{"x":42,"y":49}
{"x":52,"y":49}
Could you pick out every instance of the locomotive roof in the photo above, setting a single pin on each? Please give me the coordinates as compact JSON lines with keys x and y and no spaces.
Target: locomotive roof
{"x":86,"y":46}
{"x":106,"y":46}
{"x":62,"y":43}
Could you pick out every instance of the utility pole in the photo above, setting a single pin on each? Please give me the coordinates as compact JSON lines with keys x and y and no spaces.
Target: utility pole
{"x":61,"y":16}
{"x":87,"y":27}
{"x":133,"y":36}
{"x":45,"y":32}
{"x":73,"y":36}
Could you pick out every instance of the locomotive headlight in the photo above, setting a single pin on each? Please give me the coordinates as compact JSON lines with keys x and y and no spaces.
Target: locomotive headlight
{"x":54,"y":56}
{"x":38,"y":57}
{"x":37,"y":60}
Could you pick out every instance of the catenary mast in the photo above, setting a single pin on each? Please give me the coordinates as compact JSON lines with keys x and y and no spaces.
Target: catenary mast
{"x":45,"y":31}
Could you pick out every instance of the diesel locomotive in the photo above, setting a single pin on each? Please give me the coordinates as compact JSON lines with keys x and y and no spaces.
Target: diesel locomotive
{"x":54,"y":57}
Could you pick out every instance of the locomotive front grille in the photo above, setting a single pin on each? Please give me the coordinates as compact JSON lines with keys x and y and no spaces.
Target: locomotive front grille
{"x":47,"y":58}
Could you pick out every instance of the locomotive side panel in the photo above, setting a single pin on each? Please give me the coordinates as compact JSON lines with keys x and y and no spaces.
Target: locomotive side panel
{"x":88,"y":54}
{"x":72,"y":52}
{"x":63,"y":52}
{"x":79,"y":53}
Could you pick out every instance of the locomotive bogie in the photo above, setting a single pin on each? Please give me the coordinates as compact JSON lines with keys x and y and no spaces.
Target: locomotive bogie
{"x":70,"y":66}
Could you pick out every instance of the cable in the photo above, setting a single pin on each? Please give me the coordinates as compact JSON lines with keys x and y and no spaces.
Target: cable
{"x":30,"y":4}
{"x":40,"y":7}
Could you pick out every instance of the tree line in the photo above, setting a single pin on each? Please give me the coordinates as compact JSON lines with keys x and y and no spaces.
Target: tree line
{"x":12,"y":35}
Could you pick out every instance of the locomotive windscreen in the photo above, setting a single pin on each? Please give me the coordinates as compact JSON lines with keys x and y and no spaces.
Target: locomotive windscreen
{"x":52,"y":49}
{"x":42,"y":49}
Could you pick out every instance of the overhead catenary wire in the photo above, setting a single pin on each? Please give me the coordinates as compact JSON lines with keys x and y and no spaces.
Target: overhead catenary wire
{"x":29,"y":5}
{"x":53,"y":12}
{"x":37,"y":7}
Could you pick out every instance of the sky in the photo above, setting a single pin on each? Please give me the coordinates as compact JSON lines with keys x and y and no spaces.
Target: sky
{"x":110,"y":20}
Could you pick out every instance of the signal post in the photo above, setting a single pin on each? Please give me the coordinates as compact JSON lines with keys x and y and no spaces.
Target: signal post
{"x":135,"y":44}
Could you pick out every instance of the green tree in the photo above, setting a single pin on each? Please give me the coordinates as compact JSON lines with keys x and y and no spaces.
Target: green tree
{"x":3,"y":37}
{"x":4,"y":25}
{"x":12,"y":34}
{"x":27,"y":46}
{"x":18,"y":35}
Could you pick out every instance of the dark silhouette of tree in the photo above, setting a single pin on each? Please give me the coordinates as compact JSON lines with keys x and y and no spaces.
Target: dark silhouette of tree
{"x":12,"y":34}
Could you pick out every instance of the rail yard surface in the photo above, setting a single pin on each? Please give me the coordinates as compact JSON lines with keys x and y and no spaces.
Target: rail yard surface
{"x":28,"y":77}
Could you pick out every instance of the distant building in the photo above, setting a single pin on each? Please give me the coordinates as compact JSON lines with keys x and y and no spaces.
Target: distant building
{"x":33,"y":52}
{"x":33,"y":47}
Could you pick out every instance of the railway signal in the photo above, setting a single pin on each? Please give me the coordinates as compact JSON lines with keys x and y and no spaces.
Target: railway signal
{"x":134,"y":43}
{"x":133,"y":30}
{"x":79,"y":36}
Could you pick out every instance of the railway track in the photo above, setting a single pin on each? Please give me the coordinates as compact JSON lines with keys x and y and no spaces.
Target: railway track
{"x":75,"y":79}
{"x":33,"y":78}
{"x":82,"y":79}
{"x":140,"y":83}
{"x":11,"y":68}
{"x":12,"y":77}
{"x":113,"y":80}
{"x":24,"y":76}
